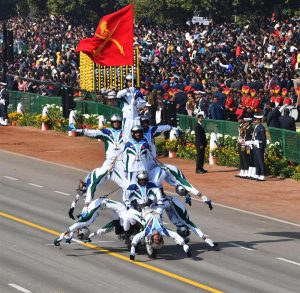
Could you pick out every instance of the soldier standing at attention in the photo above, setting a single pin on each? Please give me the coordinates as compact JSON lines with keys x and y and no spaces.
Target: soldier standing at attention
{"x":259,"y":146}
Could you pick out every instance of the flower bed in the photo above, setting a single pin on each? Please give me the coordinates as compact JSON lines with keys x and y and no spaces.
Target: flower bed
{"x":227,"y":154}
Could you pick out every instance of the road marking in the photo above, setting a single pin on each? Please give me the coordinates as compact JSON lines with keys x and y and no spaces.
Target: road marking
{"x":117,"y":255}
{"x":60,"y":192}
{"x":197,"y":199}
{"x":241,"y":246}
{"x":289,"y":261}
{"x":19,"y":288}
{"x":36,"y":185}
{"x":11,"y":178}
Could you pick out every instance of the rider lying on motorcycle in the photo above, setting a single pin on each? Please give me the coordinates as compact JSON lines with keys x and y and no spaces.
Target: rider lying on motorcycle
{"x":155,"y":229}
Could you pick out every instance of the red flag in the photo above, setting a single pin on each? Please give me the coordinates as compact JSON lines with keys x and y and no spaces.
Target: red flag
{"x":112,"y":44}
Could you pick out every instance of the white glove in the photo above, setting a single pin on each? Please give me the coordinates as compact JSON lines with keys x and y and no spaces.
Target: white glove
{"x":204,"y":198}
{"x":159,"y":202}
{"x":256,"y":143}
{"x":2,"y":102}
{"x":80,"y":131}
{"x":128,"y":204}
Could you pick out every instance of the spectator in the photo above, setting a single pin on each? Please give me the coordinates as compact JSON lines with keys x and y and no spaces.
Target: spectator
{"x":287,"y":122}
{"x":215,"y":110}
{"x":273,"y":116}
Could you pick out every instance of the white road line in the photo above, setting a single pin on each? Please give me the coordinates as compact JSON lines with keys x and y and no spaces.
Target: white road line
{"x":289,"y":261}
{"x":19,"y":288}
{"x":240,"y":246}
{"x":11,"y":178}
{"x":60,"y":192}
{"x":36,"y":185}
{"x":197,"y":199}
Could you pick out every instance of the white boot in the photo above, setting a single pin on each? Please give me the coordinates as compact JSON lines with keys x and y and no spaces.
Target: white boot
{"x":241,"y":173}
{"x":1,"y":120}
{"x":262,"y":178}
{"x":250,"y":172}
{"x":5,"y":123}
{"x":253,"y":173}
{"x":101,"y":231}
{"x":209,"y":242}
{"x":244,"y":174}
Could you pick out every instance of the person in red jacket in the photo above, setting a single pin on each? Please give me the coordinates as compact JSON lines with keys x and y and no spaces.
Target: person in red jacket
{"x":255,"y":102}
{"x":244,"y":101}
{"x":286,"y":99}
{"x":230,"y":105}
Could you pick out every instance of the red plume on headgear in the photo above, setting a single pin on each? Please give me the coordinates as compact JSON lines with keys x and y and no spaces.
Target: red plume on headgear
{"x":284,"y":91}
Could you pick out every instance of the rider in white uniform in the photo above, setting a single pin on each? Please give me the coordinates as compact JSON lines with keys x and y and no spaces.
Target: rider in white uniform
{"x":112,"y":167}
{"x":136,"y":154}
{"x":132,"y":100}
{"x":155,"y":229}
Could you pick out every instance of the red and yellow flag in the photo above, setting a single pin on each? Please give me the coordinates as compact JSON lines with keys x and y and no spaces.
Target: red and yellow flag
{"x":112,"y":44}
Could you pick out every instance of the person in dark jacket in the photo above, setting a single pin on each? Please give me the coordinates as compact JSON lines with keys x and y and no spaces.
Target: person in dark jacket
{"x":273,"y":116}
{"x":286,"y":121}
{"x":216,"y":112}
{"x":200,"y":143}
{"x":259,"y":145}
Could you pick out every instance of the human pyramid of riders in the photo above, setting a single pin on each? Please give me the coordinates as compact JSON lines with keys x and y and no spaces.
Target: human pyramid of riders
{"x":131,"y":163}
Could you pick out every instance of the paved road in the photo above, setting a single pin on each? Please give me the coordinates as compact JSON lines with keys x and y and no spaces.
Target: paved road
{"x":255,"y":254}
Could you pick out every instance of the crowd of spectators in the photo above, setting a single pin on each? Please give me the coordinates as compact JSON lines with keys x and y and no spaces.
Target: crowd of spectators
{"x":198,"y":60}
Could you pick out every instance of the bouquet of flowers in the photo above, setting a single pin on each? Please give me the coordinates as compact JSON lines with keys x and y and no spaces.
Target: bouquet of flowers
{"x":14,"y":116}
{"x":214,"y":152}
{"x":171,"y":145}
{"x":45,"y":119}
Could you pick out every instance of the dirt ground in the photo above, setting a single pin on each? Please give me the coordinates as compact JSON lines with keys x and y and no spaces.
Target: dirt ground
{"x":275,"y":198}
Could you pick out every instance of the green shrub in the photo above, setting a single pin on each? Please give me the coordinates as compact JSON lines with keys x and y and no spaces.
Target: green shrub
{"x":160,"y":144}
{"x":287,"y":172}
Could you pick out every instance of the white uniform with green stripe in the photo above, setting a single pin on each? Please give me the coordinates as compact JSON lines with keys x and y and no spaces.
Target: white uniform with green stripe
{"x":172,"y":175}
{"x":131,"y":101}
{"x":86,"y":219}
{"x":178,"y":214}
{"x":100,"y":175}
{"x":136,"y":157}
{"x":113,"y":143}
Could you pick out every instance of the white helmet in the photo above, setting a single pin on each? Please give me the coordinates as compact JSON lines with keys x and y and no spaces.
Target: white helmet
{"x":83,"y":233}
{"x":116,"y":117}
{"x":180,"y":190}
{"x":129,"y":77}
{"x":142,"y":175}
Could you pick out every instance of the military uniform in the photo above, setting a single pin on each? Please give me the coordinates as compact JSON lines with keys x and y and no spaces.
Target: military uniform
{"x":250,"y":174}
{"x":4,"y":101}
{"x":241,"y":150}
{"x":259,"y":146}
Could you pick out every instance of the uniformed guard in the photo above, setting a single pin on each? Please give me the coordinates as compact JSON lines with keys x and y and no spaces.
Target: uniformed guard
{"x":4,"y":101}
{"x":259,"y":145}
{"x":250,"y":173}
{"x":241,"y":148}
